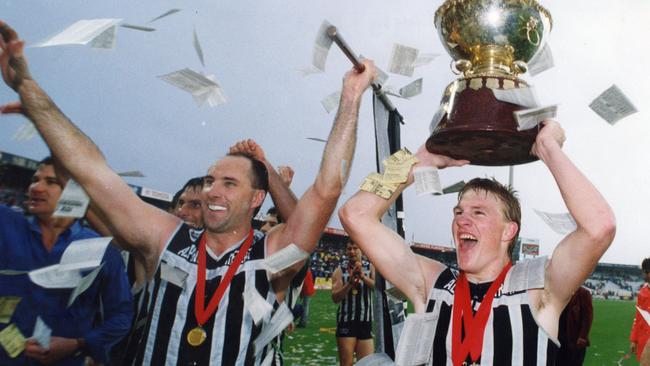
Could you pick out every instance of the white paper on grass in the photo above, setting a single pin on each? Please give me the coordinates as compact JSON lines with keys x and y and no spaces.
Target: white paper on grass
{"x":53,"y":277}
{"x":81,"y":32}
{"x":331,"y":101}
{"x":25,"y":132}
{"x":612,"y":105}
{"x":73,"y":201}
{"x":376,"y":359}
{"x":256,"y":305}
{"x":526,"y":97}
{"x":403,"y":60}
{"x":284,"y":258}
{"x":84,"y":254}
{"x":530,"y":118}
{"x":427,"y":180}
{"x":541,"y":61}
{"x":415,"y":344}
{"x":280,"y":320}
{"x":84,"y":284}
{"x":173,"y":274}
{"x":42,"y":333}
{"x":562,"y":223}
{"x":197,"y":48}
{"x":644,"y":314}
{"x":322,"y":46}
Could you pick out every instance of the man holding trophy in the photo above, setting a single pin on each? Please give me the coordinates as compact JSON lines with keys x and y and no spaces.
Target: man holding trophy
{"x":490,"y":312}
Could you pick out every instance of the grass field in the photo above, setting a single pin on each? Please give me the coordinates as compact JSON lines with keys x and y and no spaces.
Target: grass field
{"x":315,"y":345}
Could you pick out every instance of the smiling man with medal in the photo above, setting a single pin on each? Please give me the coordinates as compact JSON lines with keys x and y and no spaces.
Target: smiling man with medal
{"x":183,"y":274}
{"x":491,"y":311}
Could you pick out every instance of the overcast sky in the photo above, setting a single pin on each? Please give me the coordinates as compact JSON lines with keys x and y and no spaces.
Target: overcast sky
{"x":255,"y":49}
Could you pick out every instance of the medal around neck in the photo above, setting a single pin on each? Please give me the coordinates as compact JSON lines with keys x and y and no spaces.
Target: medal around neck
{"x":196,"y":336}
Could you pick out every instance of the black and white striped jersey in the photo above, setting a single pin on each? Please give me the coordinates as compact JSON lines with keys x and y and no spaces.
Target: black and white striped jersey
{"x":169,"y":298}
{"x":356,"y":307}
{"x":512,"y":335}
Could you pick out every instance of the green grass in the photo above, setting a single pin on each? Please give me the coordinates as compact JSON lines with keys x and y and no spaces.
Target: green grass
{"x":316,"y":344}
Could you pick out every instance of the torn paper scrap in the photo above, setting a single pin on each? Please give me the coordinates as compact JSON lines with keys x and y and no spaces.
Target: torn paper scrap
{"x":173,"y":274}
{"x":644,"y":314}
{"x":403,"y":59}
{"x":322,"y":46}
{"x":530,"y":118}
{"x":25,"y":132}
{"x":415,"y":344}
{"x":12,"y":272}
{"x":525,"y":97}
{"x":137,"y":27}
{"x":331,"y":101}
{"x":412,"y":89}
{"x":310,"y":71}
{"x":612,"y":105}
{"x":81,"y":32}
{"x":165,"y":14}
{"x":12,"y":340}
{"x":203,"y":88}
{"x":131,"y":173}
{"x":7,"y":307}
{"x":73,"y":201}
{"x":376,"y":359}
{"x":396,"y":293}
{"x":84,"y":284}
{"x":105,"y":40}
{"x":316,"y":139}
{"x":284,"y":258}
{"x":52,"y":277}
{"x":541,"y":61}
{"x":42,"y":333}
{"x":256,"y":305}
{"x":198,"y":49}
{"x":456,"y":187}
{"x":84,"y":254}
{"x":562,"y":223}
{"x":427,"y":180}
{"x":424,"y":59}
{"x":280,"y":320}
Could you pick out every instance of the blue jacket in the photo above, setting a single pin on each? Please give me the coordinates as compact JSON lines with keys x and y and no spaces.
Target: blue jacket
{"x":101,"y":315}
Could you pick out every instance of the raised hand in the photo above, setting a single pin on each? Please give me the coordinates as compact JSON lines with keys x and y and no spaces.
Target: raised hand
{"x":437,"y":161}
{"x":286,"y":173}
{"x":551,"y":132}
{"x":12,"y":60}
{"x":248,"y":147}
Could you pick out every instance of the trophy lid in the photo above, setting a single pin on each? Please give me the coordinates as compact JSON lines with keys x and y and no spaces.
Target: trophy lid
{"x":467,"y":25}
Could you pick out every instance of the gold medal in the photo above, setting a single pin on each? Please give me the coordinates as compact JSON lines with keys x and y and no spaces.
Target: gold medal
{"x":196,"y":336}
{"x":354,"y":291}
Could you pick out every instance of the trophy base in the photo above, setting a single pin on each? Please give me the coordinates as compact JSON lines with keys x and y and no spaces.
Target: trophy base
{"x":480,"y":128}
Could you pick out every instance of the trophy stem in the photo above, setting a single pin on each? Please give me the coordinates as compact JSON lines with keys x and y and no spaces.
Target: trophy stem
{"x":492,"y":60}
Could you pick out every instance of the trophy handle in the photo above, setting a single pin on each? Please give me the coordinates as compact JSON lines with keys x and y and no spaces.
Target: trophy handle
{"x":519,"y":67}
{"x":460,"y":66}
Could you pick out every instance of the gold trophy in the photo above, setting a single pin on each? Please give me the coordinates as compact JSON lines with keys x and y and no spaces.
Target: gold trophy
{"x":490,"y":42}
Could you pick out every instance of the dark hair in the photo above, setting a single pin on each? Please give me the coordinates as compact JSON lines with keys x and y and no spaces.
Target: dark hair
{"x":645,"y":265}
{"x":259,"y":174}
{"x":195,"y":183}
{"x":48,"y":160}
{"x":506,"y":194}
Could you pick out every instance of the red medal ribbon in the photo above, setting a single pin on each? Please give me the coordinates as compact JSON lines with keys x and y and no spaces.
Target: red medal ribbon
{"x":473,"y":325}
{"x":203,"y":314}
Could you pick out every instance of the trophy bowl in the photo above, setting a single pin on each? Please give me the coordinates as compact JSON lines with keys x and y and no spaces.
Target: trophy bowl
{"x":490,"y":42}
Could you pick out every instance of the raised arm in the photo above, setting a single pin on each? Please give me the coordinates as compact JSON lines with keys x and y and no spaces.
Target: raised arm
{"x":576,"y":256}
{"x":143,"y":227}
{"x":283,"y":198}
{"x":387,"y":251}
{"x":305,"y":225}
